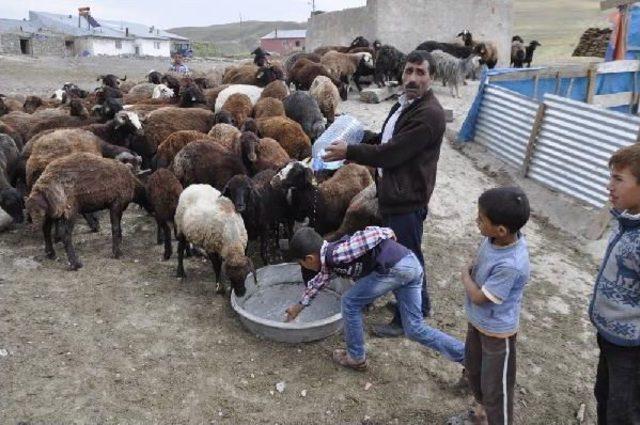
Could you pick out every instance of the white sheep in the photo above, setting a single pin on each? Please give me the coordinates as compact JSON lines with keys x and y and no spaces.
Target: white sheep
{"x":210,"y":221}
{"x":161,"y":91}
{"x":253,"y":92}
{"x":327,"y":95}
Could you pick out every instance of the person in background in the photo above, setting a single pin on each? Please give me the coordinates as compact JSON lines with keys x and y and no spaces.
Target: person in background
{"x":406,"y":155}
{"x":615,"y":305}
{"x":178,"y":65}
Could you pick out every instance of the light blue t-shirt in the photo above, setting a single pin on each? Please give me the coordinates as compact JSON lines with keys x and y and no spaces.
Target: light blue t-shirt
{"x":501,"y":273}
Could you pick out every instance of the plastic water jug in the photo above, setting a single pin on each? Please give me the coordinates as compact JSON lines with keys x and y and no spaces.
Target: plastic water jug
{"x":345,"y":128}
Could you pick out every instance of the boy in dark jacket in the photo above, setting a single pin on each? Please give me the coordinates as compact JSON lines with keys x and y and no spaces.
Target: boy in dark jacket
{"x":615,"y":305}
{"x":378,"y":264}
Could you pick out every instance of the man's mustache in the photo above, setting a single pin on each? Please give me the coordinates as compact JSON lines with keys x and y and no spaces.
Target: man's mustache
{"x":411,"y":86}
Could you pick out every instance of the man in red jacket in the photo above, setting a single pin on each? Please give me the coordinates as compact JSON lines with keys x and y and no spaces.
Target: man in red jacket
{"x":406,"y":156}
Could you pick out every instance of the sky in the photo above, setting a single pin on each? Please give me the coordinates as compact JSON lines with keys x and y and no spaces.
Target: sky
{"x":179,"y":13}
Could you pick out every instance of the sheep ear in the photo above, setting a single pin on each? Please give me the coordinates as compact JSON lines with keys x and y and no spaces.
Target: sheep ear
{"x":225,"y":190}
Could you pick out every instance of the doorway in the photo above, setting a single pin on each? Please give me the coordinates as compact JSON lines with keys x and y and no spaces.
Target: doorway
{"x":25,"y":46}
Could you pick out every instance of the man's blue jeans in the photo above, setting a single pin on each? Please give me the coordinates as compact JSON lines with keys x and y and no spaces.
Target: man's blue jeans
{"x":405,"y":280}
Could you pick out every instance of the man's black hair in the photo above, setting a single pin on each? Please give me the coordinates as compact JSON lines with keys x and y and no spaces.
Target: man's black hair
{"x":505,"y":206}
{"x":419,"y":56}
{"x":305,"y":241}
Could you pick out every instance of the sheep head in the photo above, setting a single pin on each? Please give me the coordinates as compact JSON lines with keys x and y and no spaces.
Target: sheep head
{"x":237,"y":268}
{"x":240,"y":190}
{"x":248,"y":144}
{"x":77,"y":109}
{"x":130,"y":121}
{"x":366,"y":59}
{"x":154,"y":77}
{"x":31,"y":104}
{"x":161,"y":91}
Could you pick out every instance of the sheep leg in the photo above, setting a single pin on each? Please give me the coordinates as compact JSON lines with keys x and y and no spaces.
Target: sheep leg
{"x":116,"y":231}
{"x":159,"y":232}
{"x":167,"y":240}
{"x":67,"y":228}
{"x":182,"y":244}
{"x":216,"y":262}
{"x":264,"y":246}
{"x":48,"y":243}
{"x":92,"y":222}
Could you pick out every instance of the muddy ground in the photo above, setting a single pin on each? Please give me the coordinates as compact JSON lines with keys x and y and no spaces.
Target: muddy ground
{"x":126,"y":342}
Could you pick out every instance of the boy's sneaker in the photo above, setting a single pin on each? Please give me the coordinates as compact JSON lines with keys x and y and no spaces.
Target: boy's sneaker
{"x":342,"y":358}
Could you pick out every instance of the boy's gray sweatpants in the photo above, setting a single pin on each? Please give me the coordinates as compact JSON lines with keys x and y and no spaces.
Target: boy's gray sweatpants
{"x":491,"y":371}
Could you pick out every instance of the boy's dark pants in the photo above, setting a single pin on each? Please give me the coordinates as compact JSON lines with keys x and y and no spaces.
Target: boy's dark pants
{"x":491,"y":371}
{"x":408,"y":229}
{"x":617,"y":388}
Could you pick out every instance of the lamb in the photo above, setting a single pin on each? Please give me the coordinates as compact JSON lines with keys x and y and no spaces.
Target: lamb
{"x":276,"y":89}
{"x":243,"y":74}
{"x":529,"y":52}
{"x":389,"y":65}
{"x":268,"y":107}
{"x":83,"y":183}
{"x":324,"y":204}
{"x":303,"y":108}
{"x":453,"y":70}
{"x":518,"y":53}
{"x":205,"y":162}
{"x":261,"y":206}
{"x":226,"y":135}
{"x":172,"y":145}
{"x":239,"y":106}
{"x":10,"y":199}
{"x":305,"y":71}
{"x":363,"y":211}
{"x":160,"y":123}
{"x":111,"y":80}
{"x":291,"y":60}
{"x":63,"y":142}
{"x":288,"y":133}
{"x":343,"y":66}
{"x":327,"y":96}
{"x":209,"y":221}
{"x":252,"y":92}
{"x":163,"y":192}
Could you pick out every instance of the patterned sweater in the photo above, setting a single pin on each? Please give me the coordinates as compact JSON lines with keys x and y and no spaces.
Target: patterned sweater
{"x":615,"y":304}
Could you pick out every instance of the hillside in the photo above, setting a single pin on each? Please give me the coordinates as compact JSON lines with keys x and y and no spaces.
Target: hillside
{"x":235,"y":38}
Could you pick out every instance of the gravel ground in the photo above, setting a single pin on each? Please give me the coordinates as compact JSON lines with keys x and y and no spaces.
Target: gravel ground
{"x":125,"y":342}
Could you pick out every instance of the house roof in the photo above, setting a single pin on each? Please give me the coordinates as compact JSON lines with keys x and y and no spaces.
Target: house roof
{"x":285,"y":34}
{"x":68,"y":24}
{"x":17,"y":25}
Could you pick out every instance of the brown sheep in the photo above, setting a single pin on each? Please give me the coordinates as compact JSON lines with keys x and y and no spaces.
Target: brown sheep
{"x":239,"y":106}
{"x":78,"y":184}
{"x":163,"y":192}
{"x":327,"y":96}
{"x":9,"y":104}
{"x":290,"y":60}
{"x":305,"y":71}
{"x":343,"y":65}
{"x":488,"y":53}
{"x":270,"y":156}
{"x":268,"y":107}
{"x":363,"y":211}
{"x":208,"y":163}
{"x":172,"y":145}
{"x":324,"y":204}
{"x":288,"y":133}
{"x":243,"y":74}
{"x":227,"y":136}
{"x":17,"y":138}
{"x":160,"y":123}
{"x":62,"y":142}
{"x":322,"y":50}
{"x":276,"y":89}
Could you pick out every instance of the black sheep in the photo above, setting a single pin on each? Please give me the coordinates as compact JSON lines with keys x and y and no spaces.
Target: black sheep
{"x":451,"y":48}
{"x":389,"y":65}
{"x":110,"y":80}
{"x":154,"y":77}
{"x":529,"y":52}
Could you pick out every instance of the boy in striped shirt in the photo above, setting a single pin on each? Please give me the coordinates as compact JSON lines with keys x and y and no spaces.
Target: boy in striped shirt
{"x":378,"y":265}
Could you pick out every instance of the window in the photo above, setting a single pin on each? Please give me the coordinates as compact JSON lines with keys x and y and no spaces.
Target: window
{"x":297,"y":43}
{"x":118,"y":44}
{"x":156,"y":45}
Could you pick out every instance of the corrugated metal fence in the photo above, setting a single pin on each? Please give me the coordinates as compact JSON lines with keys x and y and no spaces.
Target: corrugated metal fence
{"x":504,"y":123}
{"x":567,"y":149}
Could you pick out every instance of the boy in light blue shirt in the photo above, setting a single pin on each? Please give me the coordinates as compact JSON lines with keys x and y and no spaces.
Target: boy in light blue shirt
{"x":494,"y":285}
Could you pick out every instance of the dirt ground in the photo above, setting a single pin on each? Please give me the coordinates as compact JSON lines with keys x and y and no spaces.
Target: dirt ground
{"x":126,"y":342}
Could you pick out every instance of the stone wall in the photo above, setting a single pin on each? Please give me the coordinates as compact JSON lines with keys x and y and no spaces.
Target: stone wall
{"x":46,"y":44}
{"x":339,"y":28}
{"x":407,"y":23}
{"x":10,"y":43}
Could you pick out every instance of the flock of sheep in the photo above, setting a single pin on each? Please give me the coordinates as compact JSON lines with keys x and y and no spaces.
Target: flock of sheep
{"x":223,"y":157}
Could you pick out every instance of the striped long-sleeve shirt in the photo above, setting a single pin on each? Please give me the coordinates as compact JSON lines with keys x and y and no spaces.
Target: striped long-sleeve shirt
{"x":343,"y":253}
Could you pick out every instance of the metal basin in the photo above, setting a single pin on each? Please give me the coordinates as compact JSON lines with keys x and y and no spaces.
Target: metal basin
{"x":262,"y":309}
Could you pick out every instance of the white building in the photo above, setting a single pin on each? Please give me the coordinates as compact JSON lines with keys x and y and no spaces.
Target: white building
{"x":86,"y":36}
